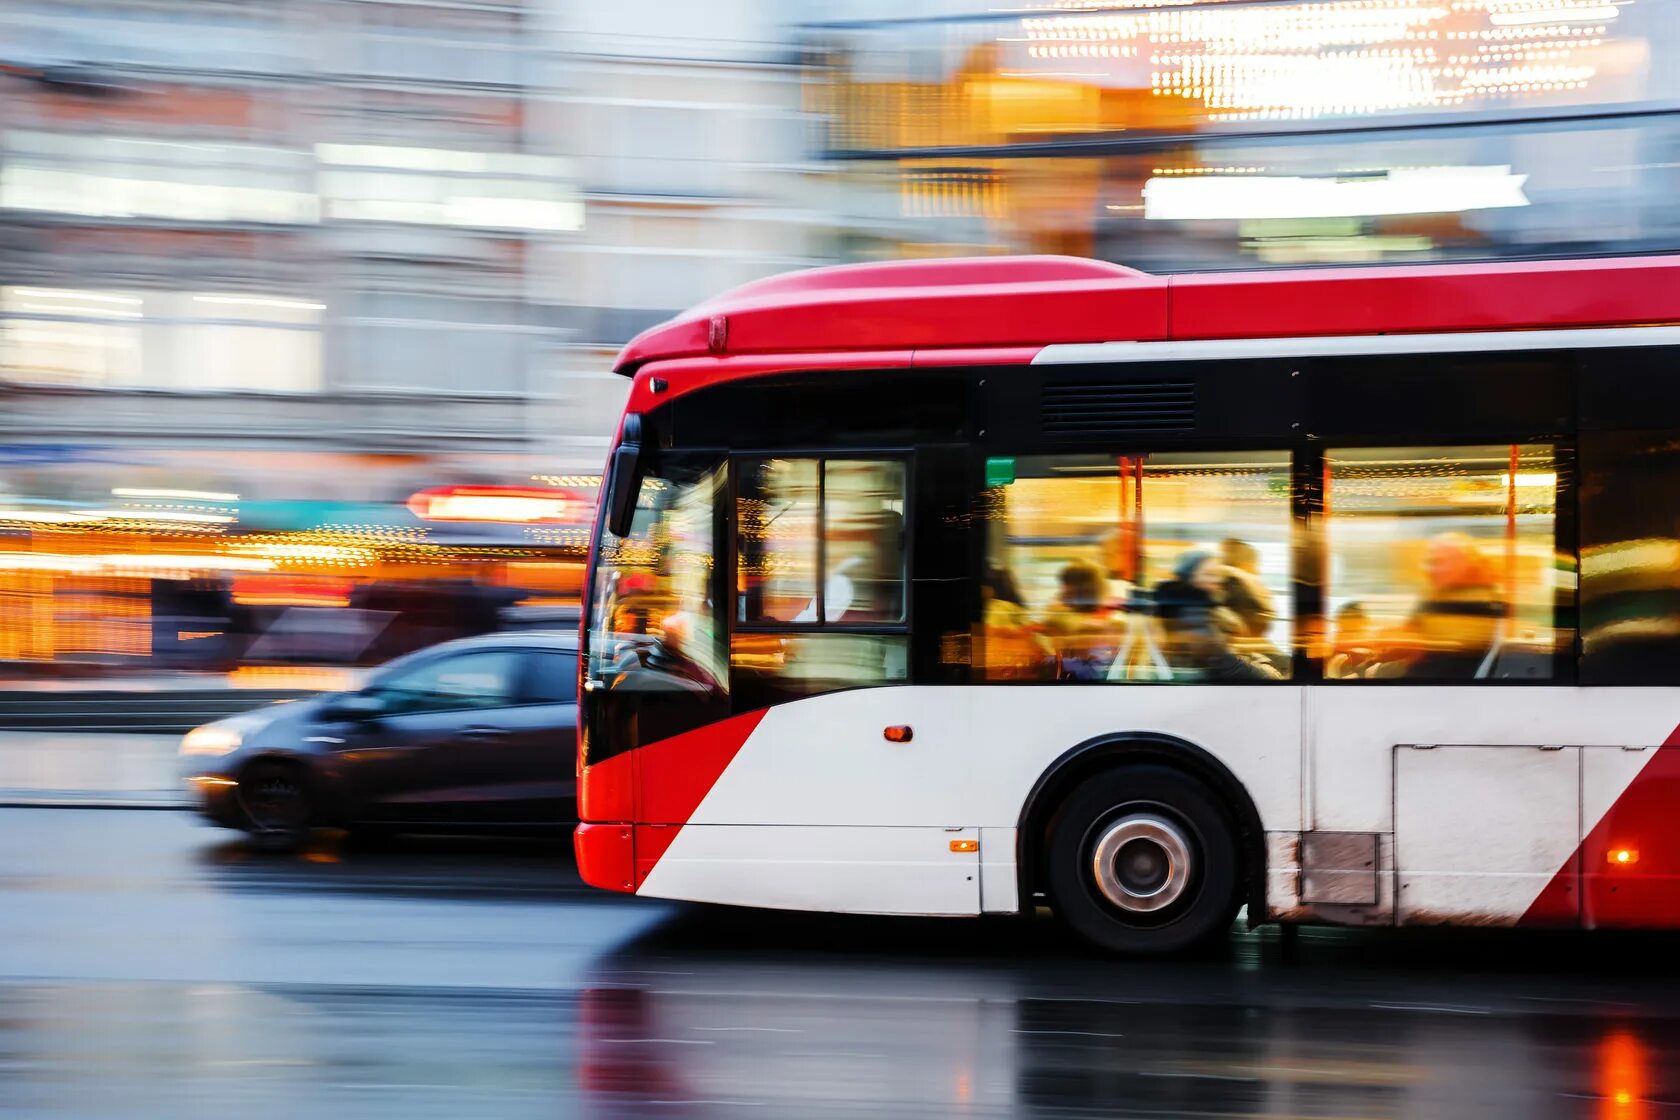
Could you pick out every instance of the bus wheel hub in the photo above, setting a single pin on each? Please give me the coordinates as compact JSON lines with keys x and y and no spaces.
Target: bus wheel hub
{"x":1141,"y":863}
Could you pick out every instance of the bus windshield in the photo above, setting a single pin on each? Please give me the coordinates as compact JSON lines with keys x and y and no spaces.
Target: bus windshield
{"x":653,"y":625}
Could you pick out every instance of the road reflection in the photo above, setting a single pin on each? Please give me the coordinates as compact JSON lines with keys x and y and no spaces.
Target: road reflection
{"x":661,"y":1009}
{"x":715,"y":1012}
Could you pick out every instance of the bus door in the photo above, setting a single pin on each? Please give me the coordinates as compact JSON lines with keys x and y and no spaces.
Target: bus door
{"x":857,"y":782}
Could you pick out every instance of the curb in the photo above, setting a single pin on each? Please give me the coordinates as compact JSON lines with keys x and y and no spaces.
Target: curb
{"x":50,"y":799}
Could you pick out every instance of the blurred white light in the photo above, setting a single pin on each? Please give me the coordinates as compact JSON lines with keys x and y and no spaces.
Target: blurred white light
{"x":262,"y":301}
{"x":75,"y":296}
{"x":171,"y":515}
{"x":1437,"y":190}
{"x":190,"y":495}
{"x":1556,"y":13}
{"x":48,"y":516}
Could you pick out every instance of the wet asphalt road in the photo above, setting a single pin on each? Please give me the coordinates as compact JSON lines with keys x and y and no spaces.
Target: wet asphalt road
{"x":150,"y":967}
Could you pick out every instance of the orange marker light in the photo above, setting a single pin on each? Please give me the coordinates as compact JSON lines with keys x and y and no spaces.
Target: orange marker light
{"x":965,"y":845}
{"x":898,"y":733}
{"x":1622,"y":856}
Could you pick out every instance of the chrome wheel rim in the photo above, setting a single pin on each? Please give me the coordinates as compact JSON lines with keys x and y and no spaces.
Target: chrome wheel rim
{"x":1142,"y":863}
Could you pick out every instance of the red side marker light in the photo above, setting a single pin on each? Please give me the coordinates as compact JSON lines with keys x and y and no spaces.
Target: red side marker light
{"x":898,"y":733}
{"x":1622,"y":856}
{"x":717,"y":334}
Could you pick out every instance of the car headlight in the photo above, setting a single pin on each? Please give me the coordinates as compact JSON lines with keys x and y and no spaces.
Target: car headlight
{"x":211,"y":739}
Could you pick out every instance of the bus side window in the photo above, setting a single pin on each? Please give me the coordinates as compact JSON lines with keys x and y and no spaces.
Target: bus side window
{"x":820,"y":576}
{"x":1630,"y":558}
{"x":1443,"y":564}
{"x":1141,"y":568}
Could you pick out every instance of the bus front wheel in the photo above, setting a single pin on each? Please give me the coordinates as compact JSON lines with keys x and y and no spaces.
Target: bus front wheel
{"x":1143,"y":860}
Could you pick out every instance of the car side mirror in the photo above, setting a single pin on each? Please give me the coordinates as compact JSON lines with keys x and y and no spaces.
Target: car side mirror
{"x":357,"y":707}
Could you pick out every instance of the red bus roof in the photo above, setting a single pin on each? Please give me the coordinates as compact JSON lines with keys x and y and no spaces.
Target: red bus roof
{"x":967,"y":304}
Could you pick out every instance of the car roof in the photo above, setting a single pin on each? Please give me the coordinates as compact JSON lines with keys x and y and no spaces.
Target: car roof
{"x":565,"y":641}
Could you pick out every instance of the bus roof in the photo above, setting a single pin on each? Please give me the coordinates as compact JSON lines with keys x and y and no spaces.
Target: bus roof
{"x":967,"y":304}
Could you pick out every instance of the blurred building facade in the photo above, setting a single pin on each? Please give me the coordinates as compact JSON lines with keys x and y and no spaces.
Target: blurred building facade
{"x":267,"y":271}
{"x":691,"y":148}
{"x":1224,"y":133}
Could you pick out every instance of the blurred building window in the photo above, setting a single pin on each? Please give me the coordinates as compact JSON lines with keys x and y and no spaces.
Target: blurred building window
{"x":437,"y":186}
{"x":1444,"y":564}
{"x":434,"y":43}
{"x":1144,"y":568}
{"x":160,"y":340}
{"x":1630,"y":558}
{"x":123,"y":177}
{"x":197,"y":36}
{"x":409,"y":340}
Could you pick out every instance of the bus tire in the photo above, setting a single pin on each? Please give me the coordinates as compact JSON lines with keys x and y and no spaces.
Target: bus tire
{"x":1143,"y":860}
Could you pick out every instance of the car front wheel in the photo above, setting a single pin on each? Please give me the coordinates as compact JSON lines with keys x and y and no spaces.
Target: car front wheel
{"x":274,"y":799}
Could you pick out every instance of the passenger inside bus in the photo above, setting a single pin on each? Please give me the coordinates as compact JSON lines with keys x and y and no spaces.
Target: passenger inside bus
{"x":1355,"y":652}
{"x":1244,"y":592}
{"x":1200,"y":626}
{"x":1453,"y":629}
{"x":1012,"y":647}
{"x":1450,"y":633}
{"x":1083,"y":634}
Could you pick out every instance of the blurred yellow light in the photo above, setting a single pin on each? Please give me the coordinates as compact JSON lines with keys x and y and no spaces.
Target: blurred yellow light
{"x":1623,"y":856}
{"x":965,"y":845}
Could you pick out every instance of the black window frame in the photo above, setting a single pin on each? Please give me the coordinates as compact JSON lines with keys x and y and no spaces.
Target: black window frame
{"x":906,"y":623}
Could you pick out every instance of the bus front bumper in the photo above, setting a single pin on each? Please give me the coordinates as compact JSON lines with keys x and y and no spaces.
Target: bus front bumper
{"x":606,"y":855}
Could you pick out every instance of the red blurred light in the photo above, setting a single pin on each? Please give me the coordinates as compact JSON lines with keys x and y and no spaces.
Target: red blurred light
{"x":515,"y":505}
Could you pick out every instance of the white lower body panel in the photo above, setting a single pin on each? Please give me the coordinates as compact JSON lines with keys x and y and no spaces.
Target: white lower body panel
{"x":858,"y":870}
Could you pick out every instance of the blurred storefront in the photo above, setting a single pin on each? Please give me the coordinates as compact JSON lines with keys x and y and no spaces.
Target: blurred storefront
{"x":267,"y":273}
{"x":1175,"y":136}
{"x":131,"y":561}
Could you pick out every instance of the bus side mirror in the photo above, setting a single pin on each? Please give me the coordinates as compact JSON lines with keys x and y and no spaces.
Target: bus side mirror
{"x":624,"y":478}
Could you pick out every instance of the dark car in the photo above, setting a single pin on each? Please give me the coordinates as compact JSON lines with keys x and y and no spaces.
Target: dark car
{"x":475,"y":734}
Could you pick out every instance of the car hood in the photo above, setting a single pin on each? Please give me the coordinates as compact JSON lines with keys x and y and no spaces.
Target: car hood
{"x":276,"y":724}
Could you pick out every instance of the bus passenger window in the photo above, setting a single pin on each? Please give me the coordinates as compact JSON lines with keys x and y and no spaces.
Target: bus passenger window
{"x":1137,"y":568}
{"x":1630,"y":558}
{"x":796,"y":634}
{"x":777,"y":517}
{"x":1443,"y":564}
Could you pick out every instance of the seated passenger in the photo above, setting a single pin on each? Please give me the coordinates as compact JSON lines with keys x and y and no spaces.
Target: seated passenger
{"x":1085,"y":639}
{"x":1205,"y":647}
{"x":1452,"y":630}
{"x":1354,"y":651}
{"x":1188,"y":601}
{"x":1242,"y":589}
{"x":1010,"y":649}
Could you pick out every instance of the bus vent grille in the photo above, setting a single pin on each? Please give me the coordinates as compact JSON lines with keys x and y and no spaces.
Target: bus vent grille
{"x":1118,"y":408}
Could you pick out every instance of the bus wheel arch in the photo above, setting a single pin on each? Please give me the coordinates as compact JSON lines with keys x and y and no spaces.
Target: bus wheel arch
{"x":1128,"y":749}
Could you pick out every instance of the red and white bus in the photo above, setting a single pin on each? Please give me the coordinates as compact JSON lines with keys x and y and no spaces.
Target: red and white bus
{"x":963,"y":587}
